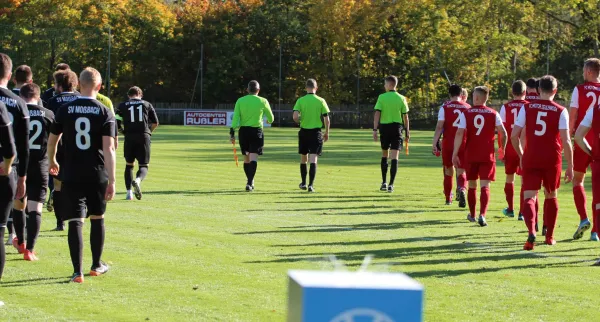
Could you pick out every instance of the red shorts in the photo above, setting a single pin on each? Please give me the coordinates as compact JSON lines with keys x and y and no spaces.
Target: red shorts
{"x":447,"y":157}
{"x":481,"y":171}
{"x":512,"y":163}
{"x":581,"y":160}
{"x":534,"y":177}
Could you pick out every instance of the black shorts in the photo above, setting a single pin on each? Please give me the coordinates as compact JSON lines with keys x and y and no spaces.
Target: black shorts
{"x":137,"y":147}
{"x":82,"y":196}
{"x":390,"y":136}
{"x":252,"y":140}
{"x":37,"y":181}
{"x":310,"y":141}
{"x":8,"y":190}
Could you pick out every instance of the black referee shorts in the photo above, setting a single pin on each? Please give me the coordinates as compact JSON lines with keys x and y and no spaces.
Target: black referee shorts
{"x":37,"y":181}
{"x":80,"y":197}
{"x":310,"y":141}
{"x":252,"y":140}
{"x":137,"y":147}
{"x":390,"y":136}
{"x":8,"y":190}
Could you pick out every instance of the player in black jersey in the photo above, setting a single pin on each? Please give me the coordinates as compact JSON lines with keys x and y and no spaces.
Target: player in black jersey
{"x":65,"y":83}
{"x":37,"y":172}
{"x":19,"y":116}
{"x":7,"y":183}
{"x":50,"y":92}
{"x":88,"y":131}
{"x":139,"y":121}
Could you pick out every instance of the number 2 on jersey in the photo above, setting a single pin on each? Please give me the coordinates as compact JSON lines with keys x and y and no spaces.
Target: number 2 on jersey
{"x":132,"y":109}
{"x":457,"y":112}
{"x":35,"y":127}
{"x":594,"y":99}
{"x":479,"y":122}
{"x":82,"y":138}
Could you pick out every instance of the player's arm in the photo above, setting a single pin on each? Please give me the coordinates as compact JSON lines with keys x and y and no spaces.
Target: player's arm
{"x":584,"y":127}
{"x":21,"y":133}
{"x":438,"y":130}
{"x":458,"y":139}
{"x":404,"y":110}
{"x":574,"y":109}
{"x":565,"y":136}
{"x":53,"y":139}
{"x":325,"y":112}
{"x":234,"y":122}
{"x":153,"y":118}
{"x":7,"y":143}
{"x":502,"y":135}
{"x":267,"y":110}
{"x":296,"y":117}
{"x":110,"y":157}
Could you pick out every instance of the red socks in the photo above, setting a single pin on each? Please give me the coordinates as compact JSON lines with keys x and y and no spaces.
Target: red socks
{"x":447,"y":187}
{"x":579,"y":197}
{"x":550,"y":216}
{"x":484,"y":199}
{"x":529,"y":214}
{"x":461,"y":181}
{"x":509,"y":191}
{"x":472,"y":199}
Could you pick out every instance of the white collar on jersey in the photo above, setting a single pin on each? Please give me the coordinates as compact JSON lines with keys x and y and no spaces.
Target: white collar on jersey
{"x":4,"y":87}
{"x":87,"y":97}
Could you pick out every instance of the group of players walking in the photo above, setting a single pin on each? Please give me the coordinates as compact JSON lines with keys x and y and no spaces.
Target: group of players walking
{"x":539,"y":131}
{"x":71,"y":136}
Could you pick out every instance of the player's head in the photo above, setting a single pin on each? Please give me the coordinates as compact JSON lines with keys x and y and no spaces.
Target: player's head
{"x":22,"y":75}
{"x":65,"y":81}
{"x":591,"y":70}
{"x":62,"y":66}
{"x":532,"y":85}
{"x":5,"y":68}
{"x":480,"y":95}
{"x":30,"y":93}
{"x":548,"y":86}
{"x":253,"y":87}
{"x":135,"y":92}
{"x":454,"y":90}
{"x":391,"y":82}
{"x":90,"y":81}
{"x":464,"y":95}
{"x":311,"y":85}
{"x":519,"y":88}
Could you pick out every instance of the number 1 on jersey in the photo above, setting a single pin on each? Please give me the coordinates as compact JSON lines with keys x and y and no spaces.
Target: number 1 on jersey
{"x":132,"y":109}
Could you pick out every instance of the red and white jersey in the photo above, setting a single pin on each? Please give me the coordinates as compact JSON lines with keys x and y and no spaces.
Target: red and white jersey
{"x":592,"y":120}
{"x":531,"y":96}
{"x":449,"y":113}
{"x":480,"y":124}
{"x":508,"y":115}
{"x":543,"y":120}
{"x":584,"y":97}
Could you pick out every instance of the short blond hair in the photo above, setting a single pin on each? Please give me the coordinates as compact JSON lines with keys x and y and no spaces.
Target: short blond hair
{"x":90,"y":77}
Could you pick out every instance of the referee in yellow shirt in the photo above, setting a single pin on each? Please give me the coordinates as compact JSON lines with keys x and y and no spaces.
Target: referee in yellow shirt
{"x":308,"y":111}
{"x":391,"y":118}
{"x":248,"y":117}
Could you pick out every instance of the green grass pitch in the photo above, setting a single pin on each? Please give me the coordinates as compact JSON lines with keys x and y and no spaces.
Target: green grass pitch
{"x":198,"y":248}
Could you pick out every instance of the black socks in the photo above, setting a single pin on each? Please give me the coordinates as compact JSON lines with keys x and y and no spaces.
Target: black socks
{"x":252,"y":171}
{"x":312,"y":173}
{"x":97,"y":240}
{"x":75,"y":238}
{"x":142,"y":172}
{"x":34,"y":221}
{"x":2,"y":251}
{"x":19,"y":224}
{"x":303,"y":172}
{"x":128,"y":176}
{"x":58,"y":208}
{"x":393,"y":171}
{"x":384,"y":169}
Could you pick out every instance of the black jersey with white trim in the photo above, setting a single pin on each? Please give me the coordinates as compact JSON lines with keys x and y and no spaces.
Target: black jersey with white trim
{"x":83,"y":123}
{"x":7,"y":141}
{"x":40,"y":120}
{"x":19,"y":116}
{"x":61,"y":99}
{"x":137,"y":116}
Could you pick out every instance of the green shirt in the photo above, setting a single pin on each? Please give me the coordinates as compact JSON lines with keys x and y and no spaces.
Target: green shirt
{"x":392,"y":107}
{"x":311,"y":107}
{"x":249,"y":111}
{"x":108,"y":103}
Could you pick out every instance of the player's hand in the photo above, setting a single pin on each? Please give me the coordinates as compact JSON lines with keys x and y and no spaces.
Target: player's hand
{"x":4,"y":171}
{"x":456,"y":161}
{"x":434,"y":149}
{"x":407,"y":136}
{"x":232,"y":140}
{"x":326,"y":137}
{"x":569,"y":175}
{"x":53,"y":168}
{"x":110,"y":191}
{"x":116,"y":143}
{"x":21,"y":188}
{"x":501,"y":154}
{"x":375,"y":136}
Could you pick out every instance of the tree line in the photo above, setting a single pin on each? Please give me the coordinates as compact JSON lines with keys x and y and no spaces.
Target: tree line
{"x":348,"y":46}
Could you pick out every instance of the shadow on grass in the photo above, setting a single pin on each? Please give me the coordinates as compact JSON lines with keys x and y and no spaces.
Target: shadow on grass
{"x":217,"y":192}
{"x":36,"y":281}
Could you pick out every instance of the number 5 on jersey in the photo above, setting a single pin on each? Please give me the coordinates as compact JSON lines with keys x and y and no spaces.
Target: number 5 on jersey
{"x":541,"y":123}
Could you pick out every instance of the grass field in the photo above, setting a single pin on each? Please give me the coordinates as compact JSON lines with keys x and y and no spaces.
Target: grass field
{"x":198,"y":248}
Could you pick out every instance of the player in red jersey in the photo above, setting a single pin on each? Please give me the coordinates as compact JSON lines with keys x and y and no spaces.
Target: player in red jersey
{"x":447,"y":123}
{"x":532,"y":89}
{"x":508,"y":114}
{"x":585,"y":96}
{"x":546,"y":126}
{"x":480,"y":124}
{"x":464,"y":96}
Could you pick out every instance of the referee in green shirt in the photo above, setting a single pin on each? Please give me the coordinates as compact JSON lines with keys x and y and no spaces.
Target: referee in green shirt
{"x":308,"y":112}
{"x":391,"y":119}
{"x":248,"y":117}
